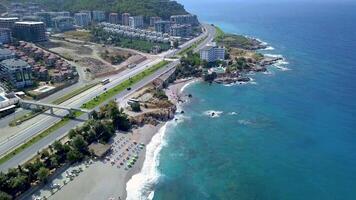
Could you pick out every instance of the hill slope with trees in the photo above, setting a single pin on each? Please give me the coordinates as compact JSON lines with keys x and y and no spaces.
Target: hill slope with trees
{"x":162,"y":8}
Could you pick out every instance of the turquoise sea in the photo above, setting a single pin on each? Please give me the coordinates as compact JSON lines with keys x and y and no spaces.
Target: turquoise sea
{"x":290,"y":134}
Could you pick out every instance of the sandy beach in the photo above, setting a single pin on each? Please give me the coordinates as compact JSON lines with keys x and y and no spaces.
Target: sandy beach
{"x":106,"y":178}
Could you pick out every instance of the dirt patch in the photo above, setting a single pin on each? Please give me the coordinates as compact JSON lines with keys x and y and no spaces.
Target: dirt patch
{"x":95,"y":66}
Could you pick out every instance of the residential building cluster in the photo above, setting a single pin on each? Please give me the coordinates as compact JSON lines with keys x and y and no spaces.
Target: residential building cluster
{"x":25,"y":63}
{"x":211,"y":53}
{"x":185,"y":19}
{"x":177,"y":26}
{"x":127,"y":31}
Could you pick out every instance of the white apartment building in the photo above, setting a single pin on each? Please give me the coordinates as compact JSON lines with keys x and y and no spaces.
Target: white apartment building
{"x":98,"y":15}
{"x":82,"y":19}
{"x":136,"y":22}
{"x":212,"y":53}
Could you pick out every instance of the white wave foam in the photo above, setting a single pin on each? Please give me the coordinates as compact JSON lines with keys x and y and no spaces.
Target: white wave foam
{"x":274,"y":55}
{"x":251,"y":81}
{"x":213,"y":113}
{"x":141,"y":185}
{"x":268,"y":73}
{"x":187,"y":84}
{"x":261,"y":41}
{"x":281,"y":65}
{"x":232,"y":113}
{"x":244,"y":122}
{"x":268,"y":48}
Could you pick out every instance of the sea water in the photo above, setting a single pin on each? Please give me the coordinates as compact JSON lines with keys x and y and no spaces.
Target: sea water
{"x":290,"y":135}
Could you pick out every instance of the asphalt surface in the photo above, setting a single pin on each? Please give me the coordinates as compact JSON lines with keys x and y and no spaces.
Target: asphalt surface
{"x":47,"y":120}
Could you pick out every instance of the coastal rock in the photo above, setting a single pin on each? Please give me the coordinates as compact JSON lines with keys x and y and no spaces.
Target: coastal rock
{"x":269,"y":61}
{"x":243,"y":79}
{"x":155,"y":117}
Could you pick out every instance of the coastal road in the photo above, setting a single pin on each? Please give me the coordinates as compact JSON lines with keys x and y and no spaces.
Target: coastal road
{"x":47,"y":121}
{"x":31,"y":151}
{"x":42,"y":122}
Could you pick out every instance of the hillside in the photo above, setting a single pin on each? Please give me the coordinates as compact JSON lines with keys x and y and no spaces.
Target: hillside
{"x":135,"y":7}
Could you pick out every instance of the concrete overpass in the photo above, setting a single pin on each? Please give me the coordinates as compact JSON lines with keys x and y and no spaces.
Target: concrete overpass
{"x":27,"y":105}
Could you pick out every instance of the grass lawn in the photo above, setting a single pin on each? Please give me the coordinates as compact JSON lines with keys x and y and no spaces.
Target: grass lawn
{"x":78,"y":35}
{"x":219,"y":34}
{"x":141,"y":45}
{"x":182,"y":53}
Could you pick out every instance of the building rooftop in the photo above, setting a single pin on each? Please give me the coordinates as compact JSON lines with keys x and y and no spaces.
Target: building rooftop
{"x":29,"y":23}
{"x":207,"y":48}
{"x":14,"y":63}
{"x":5,"y":52}
{"x":8,"y":18}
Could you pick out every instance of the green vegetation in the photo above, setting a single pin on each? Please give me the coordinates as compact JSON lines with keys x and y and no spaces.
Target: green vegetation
{"x":160,"y":94}
{"x":219,"y":37}
{"x":135,"y":106}
{"x":241,"y":64}
{"x":135,"y":7}
{"x":78,"y":35}
{"x":191,"y":48}
{"x":236,"y":41}
{"x":122,"y":86}
{"x":18,"y":180}
{"x":113,"y":59}
{"x":101,"y":36}
{"x":190,"y":67}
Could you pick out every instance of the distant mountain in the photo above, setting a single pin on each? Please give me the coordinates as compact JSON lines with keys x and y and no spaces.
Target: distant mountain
{"x":162,"y":8}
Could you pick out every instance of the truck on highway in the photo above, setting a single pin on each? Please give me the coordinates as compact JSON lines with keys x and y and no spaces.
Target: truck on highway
{"x":105,"y":81}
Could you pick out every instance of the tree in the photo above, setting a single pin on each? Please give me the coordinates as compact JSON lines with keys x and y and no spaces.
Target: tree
{"x":5,"y":196}
{"x":54,"y":161}
{"x":135,"y":106}
{"x":74,"y":156}
{"x":4,"y":182}
{"x":72,"y":133}
{"x":176,"y":44}
{"x":44,"y":154}
{"x":79,"y":143}
{"x":94,"y":115}
{"x":58,"y":146}
{"x":43,"y":174}
{"x":18,"y":184}
{"x":119,"y":118}
{"x":210,"y":77}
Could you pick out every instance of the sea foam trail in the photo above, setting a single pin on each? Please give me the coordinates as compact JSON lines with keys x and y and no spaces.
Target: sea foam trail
{"x":141,"y":185}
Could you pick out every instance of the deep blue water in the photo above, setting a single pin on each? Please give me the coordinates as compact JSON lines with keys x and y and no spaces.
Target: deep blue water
{"x":294,"y":135}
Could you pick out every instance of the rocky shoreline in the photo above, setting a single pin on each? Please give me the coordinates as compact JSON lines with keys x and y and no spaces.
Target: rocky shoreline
{"x":240,"y":77}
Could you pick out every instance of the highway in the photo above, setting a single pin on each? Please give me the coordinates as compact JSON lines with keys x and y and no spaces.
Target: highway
{"x":42,"y":122}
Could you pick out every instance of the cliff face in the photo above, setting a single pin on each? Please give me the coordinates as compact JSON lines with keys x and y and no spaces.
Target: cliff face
{"x":162,"y":8}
